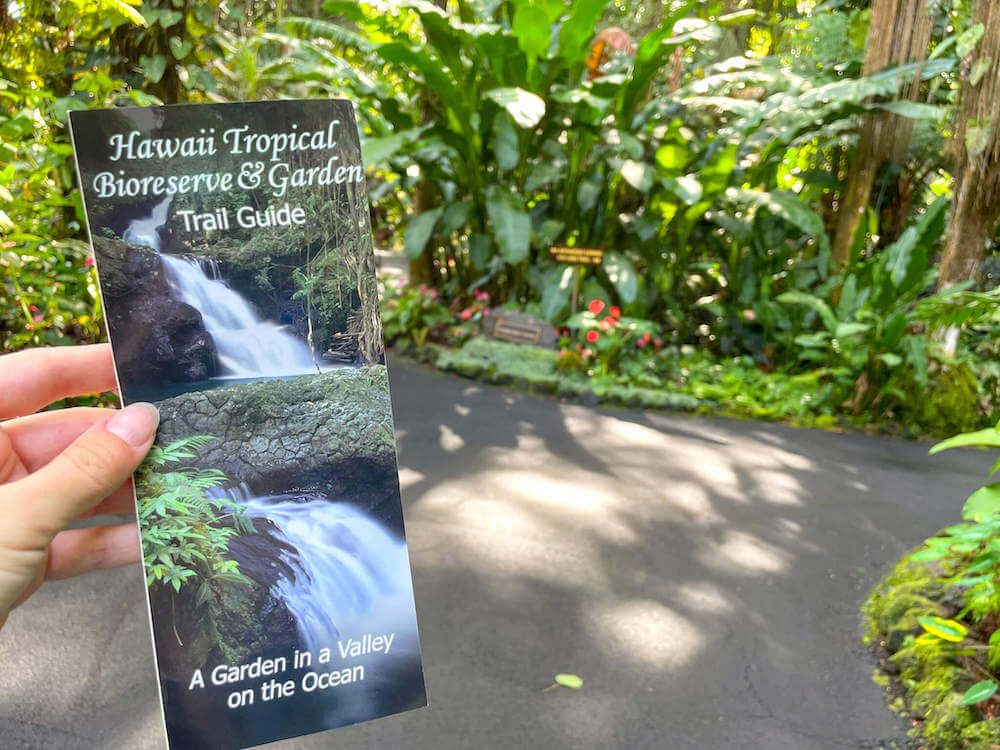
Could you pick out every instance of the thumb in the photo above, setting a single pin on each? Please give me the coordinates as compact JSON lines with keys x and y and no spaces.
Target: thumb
{"x":91,"y":468}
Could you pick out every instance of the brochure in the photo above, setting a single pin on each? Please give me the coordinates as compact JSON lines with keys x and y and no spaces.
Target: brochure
{"x":234,"y":251}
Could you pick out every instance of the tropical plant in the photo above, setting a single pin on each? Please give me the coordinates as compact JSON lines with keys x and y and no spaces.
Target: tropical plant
{"x":186,"y":529}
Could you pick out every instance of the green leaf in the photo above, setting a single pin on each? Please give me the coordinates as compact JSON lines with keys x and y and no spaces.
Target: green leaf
{"x":979,"y":692}
{"x":511,"y":223}
{"x":571,"y":681}
{"x":578,"y":29}
{"x":795,"y":297}
{"x":456,"y":215}
{"x":526,"y":108}
{"x":790,"y":207}
{"x":126,"y":9}
{"x":419,"y":231}
{"x":637,"y":174}
{"x":672,"y":156}
{"x":982,"y":503}
{"x":154,"y":66}
{"x":946,"y":630}
{"x":622,"y":274}
{"x":375,"y":152}
{"x":531,"y":29}
{"x":914,"y":110}
{"x":556,"y":294}
{"x":505,"y":143}
{"x":688,"y":188}
{"x":987,"y":438}
{"x":968,"y":40}
{"x":179,"y":48}
{"x":479,"y":251}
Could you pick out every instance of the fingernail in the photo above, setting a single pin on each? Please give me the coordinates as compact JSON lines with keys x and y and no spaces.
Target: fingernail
{"x":135,"y":424}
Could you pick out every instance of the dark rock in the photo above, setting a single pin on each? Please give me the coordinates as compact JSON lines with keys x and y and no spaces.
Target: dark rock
{"x":157,"y":339}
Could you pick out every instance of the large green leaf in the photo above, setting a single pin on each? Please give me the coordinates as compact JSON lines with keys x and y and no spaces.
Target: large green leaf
{"x":526,"y":108}
{"x":578,"y":28}
{"x":982,"y":503}
{"x":988,"y":438}
{"x":505,"y":143}
{"x":946,"y":630}
{"x":638,"y":174}
{"x":789,"y":207}
{"x":555,"y":295}
{"x":979,"y":692}
{"x":376,"y":151}
{"x":511,"y":223}
{"x":419,"y":231}
{"x":622,"y":274}
{"x":531,"y":29}
{"x":795,"y":297}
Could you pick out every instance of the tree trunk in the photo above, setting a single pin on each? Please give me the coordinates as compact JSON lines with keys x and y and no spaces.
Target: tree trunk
{"x":977,"y":174}
{"x":968,"y":235}
{"x":900,"y":33}
{"x":853,"y":206}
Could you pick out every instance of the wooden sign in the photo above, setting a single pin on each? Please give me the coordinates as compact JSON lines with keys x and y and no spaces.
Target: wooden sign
{"x":520,"y":329}
{"x":581,"y":256}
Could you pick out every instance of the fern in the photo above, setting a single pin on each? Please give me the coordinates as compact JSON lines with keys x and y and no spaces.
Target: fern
{"x":185,"y":534}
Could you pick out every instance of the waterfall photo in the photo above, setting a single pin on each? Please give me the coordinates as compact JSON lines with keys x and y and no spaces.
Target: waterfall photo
{"x":236,"y":266}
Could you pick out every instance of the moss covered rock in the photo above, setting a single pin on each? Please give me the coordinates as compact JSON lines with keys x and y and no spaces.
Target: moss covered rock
{"x":927,"y":673}
{"x":329,"y":433}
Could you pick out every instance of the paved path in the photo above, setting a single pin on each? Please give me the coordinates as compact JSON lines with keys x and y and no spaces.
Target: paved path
{"x":703,"y":577}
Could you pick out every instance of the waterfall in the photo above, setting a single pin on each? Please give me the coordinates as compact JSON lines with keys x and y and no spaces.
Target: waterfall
{"x":350,"y":575}
{"x":247,"y":346}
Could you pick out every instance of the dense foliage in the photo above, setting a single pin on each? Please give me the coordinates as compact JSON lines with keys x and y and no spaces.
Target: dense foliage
{"x":936,"y":617}
{"x":185,"y":530}
{"x":718,"y":152}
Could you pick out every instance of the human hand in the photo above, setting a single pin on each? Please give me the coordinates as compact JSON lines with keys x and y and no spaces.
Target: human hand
{"x":60,"y":466}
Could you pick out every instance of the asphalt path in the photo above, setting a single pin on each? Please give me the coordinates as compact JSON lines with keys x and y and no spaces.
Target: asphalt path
{"x":702,"y":576}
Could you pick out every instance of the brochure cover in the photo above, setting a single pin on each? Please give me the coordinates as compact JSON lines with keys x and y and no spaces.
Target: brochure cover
{"x":234,"y":252}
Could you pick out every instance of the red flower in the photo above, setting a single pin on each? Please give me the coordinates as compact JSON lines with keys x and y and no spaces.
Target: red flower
{"x":647,"y":337}
{"x":595,"y":306}
{"x":466,"y":313}
{"x":88,"y":262}
{"x":640,"y":344}
{"x":33,"y":308}
{"x":593,"y":336}
{"x":616,"y":312}
{"x":657,"y":343}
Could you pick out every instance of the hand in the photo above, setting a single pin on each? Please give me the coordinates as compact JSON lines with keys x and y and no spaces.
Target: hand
{"x":58,"y":467}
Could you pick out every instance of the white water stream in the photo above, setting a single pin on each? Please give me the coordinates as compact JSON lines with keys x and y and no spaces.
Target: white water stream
{"x":247,"y":345}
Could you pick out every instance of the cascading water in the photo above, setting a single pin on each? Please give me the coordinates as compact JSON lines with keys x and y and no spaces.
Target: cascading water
{"x":350,"y":575}
{"x":247,"y":345}
{"x":343,"y":576}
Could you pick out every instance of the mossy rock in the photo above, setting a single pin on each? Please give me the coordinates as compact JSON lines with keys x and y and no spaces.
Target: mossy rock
{"x":983,"y":735}
{"x":952,"y":403}
{"x":931,"y":677}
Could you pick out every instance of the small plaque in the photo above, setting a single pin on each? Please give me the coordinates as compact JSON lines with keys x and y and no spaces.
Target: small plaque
{"x":520,"y":329}
{"x":581,"y":256}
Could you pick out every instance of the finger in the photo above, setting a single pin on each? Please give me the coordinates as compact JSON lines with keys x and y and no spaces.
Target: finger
{"x":35,"y":378}
{"x":91,"y":468}
{"x":119,"y":502}
{"x":11,"y":466}
{"x":39,"y":438}
{"x":80,"y":551}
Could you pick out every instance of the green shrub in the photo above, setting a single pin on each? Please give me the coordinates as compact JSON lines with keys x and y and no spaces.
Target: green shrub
{"x":185,"y":531}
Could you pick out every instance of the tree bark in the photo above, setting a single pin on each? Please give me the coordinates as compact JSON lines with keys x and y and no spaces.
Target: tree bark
{"x":968,"y":235}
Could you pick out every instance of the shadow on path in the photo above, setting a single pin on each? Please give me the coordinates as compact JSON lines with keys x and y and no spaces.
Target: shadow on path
{"x":702,"y":576}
